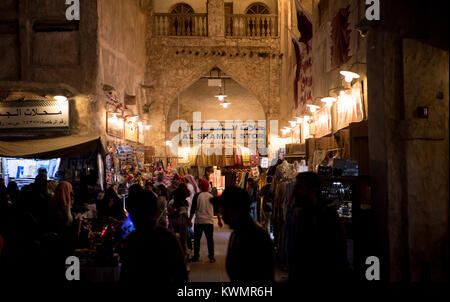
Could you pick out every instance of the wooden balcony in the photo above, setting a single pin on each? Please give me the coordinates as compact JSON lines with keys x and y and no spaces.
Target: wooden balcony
{"x":241,"y":26}
{"x":180,"y":25}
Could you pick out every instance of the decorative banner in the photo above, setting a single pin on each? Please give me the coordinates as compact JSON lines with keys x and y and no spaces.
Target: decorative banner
{"x":349,"y":107}
{"x":322,"y":122}
{"x":34,"y":114}
{"x":131,"y":132}
{"x":114,"y":125}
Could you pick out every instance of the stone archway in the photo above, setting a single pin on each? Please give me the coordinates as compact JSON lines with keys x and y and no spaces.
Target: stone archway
{"x":173,"y":69}
{"x":237,"y":78}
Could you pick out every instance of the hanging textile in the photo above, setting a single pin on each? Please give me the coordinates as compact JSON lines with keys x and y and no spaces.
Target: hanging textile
{"x":353,"y":20}
{"x":302,"y":48}
{"x":306,"y":74}
{"x":254,"y":159}
{"x":340,"y":37}
{"x":246,"y":157}
{"x":237,"y":156}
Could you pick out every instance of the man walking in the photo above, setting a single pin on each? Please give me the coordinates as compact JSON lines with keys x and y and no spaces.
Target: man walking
{"x":250,"y":255}
{"x":204,"y":221}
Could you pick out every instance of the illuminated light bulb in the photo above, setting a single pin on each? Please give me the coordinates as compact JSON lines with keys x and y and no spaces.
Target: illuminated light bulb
{"x":299,"y":120}
{"x":329,"y":101}
{"x":168,"y":143}
{"x":312,"y":108}
{"x":225,"y":104}
{"x":349,"y":76}
{"x":288,"y":129}
{"x":140,"y":124}
{"x":148,"y":127}
{"x":60,"y":98}
{"x":221,"y":97}
{"x":293,"y":123}
{"x":307,"y":118}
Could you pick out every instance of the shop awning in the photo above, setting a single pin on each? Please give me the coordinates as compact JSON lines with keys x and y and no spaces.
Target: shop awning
{"x":67,"y":146}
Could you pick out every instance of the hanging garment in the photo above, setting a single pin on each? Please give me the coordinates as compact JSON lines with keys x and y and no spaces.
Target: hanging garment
{"x":254,"y":159}
{"x":237,"y":157}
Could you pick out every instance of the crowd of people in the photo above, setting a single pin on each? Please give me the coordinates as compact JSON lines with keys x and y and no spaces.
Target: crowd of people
{"x":37,"y":229}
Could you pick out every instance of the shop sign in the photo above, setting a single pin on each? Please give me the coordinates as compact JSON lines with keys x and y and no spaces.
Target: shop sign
{"x":114,"y":125}
{"x":226,"y":131}
{"x":34,"y":114}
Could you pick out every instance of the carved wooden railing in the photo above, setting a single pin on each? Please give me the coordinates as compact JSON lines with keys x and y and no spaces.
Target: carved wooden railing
{"x":251,"y":25}
{"x":180,"y":24}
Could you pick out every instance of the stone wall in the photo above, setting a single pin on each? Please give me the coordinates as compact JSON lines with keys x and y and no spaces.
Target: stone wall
{"x":122,"y":52}
{"x":200,"y":98}
{"x":43,"y":54}
{"x":40,"y":45}
{"x":176,"y":63}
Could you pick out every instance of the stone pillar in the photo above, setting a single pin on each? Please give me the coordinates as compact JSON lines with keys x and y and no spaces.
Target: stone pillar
{"x":408,"y":154}
{"x":216,"y":18}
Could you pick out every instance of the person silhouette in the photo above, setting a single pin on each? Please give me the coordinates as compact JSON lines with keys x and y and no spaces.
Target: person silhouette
{"x":151,"y":254}
{"x":319,"y":249}
{"x":250,"y":255}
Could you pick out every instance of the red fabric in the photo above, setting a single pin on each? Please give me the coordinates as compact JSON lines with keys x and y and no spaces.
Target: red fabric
{"x":303,"y":58}
{"x":340,"y":36}
{"x":204,"y":185}
{"x":298,"y":70}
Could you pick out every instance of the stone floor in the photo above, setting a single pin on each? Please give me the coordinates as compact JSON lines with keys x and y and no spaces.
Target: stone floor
{"x":203,"y":271}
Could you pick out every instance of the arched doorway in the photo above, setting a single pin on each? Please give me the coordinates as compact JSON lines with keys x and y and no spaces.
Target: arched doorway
{"x":202,"y":97}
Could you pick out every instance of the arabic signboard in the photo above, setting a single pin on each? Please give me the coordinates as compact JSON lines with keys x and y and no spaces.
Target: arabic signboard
{"x":34,"y":114}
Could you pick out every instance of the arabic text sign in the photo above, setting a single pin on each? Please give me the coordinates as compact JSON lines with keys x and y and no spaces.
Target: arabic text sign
{"x":34,"y":114}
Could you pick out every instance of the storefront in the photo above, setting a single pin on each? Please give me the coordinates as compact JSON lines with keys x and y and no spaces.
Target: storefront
{"x":332,"y":141}
{"x":125,"y":160}
{"x":36,"y":135}
{"x":225,"y":153}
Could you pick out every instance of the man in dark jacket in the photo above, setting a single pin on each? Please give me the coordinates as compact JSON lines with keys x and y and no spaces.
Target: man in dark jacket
{"x":250,"y":255}
{"x":152,"y":254}
{"x":319,"y":248}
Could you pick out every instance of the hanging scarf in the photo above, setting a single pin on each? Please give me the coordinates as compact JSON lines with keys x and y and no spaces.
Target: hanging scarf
{"x":192,"y":181}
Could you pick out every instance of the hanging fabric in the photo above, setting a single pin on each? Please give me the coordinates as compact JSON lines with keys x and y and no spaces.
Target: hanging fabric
{"x":340,"y":37}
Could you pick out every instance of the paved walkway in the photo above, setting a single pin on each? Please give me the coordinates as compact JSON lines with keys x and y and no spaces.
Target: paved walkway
{"x":203,"y":271}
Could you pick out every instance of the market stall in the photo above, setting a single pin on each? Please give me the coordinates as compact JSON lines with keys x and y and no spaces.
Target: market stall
{"x":70,"y":158}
